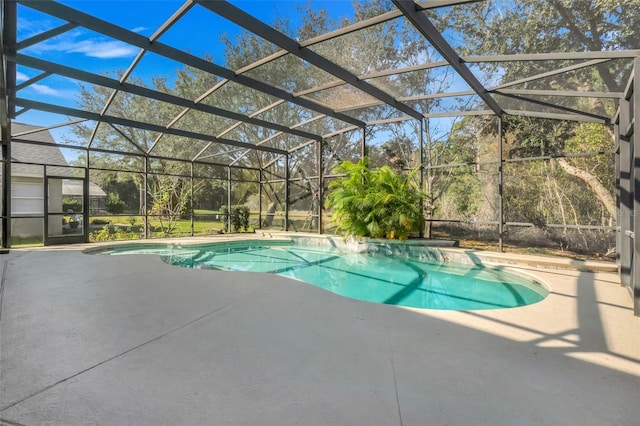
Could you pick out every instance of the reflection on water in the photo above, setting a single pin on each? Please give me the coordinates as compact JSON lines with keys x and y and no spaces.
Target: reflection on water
{"x":410,"y":281}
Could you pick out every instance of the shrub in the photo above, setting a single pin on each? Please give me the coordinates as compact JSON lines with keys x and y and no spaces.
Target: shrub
{"x":115,"y":233}
{"x":70,"y":204}
{"x":224,"y":213}
{"x":376,"y":203}
{"x":114,"y":204}
{"x":240,"y":218}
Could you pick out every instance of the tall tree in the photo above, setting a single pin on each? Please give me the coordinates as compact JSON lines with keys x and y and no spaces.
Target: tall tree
{"x":541,"y":26}
{"x":533,"y":26}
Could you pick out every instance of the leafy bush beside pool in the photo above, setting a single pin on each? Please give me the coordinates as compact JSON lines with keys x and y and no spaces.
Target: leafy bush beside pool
{"x":375,"y":203}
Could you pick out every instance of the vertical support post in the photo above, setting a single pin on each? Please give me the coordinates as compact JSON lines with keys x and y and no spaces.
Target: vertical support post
{"x":429,"y":188}
{"x":229,"y":200}
{"x":259,"y":199}
{"x":421,"y":165}
{"x":45,"y":207}
{"x":6,"y":181}
{"x":624,"y":190}
{"x":85,"y":206}
{"x":143,"y":193}
{"x":87,"y":158}
{"x":500,"y":189}
{"x":363,"y":143}
{"x":363,"y":147}
{"x":88,"y":169}
{"x":635,"y":279}
{"x":87,"y":182}
{"x":616,"y":132}
{"x":9,"y":16}
{"x":320,"y":183}
{"x":191,"y":199}
{"x":286,"y":192}
{"x":87,"y":178}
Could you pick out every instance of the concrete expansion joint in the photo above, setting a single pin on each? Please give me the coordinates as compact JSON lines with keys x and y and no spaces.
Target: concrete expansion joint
{"x":395,"y":382}
{"x":161,"y":336}
{"x":5,"y":265}
{"x":16,"y":254}
{"x":5,"y":422}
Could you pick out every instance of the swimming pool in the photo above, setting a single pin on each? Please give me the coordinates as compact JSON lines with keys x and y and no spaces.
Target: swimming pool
{"x":413,"y":281}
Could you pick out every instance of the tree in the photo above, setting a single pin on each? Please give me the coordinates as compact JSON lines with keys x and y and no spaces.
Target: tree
{"x":114,"y":204}
{"x":532,"y":26}
{"x":376,"y":203}
{"x":210,"y":195}
{"x":170,"y":197}
{"x":121,"y":183}
{"x":495,"y":28}
{"x":531,"y":137}
{"x":390,"y":45}
{"x":239,"y":218}
{"x":393,"y":44}
{"x":165,"y":187}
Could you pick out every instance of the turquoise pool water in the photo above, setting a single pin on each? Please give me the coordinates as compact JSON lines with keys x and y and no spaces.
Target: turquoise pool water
{"x":396,"y":280}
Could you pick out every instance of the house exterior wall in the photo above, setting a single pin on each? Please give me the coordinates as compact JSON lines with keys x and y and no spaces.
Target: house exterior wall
{"x":27,"y":203}
{"x":27,"y":199}
{"x":55,"y":206}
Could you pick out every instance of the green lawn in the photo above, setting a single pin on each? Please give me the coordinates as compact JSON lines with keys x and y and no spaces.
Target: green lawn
{"x":26,"y":241}
{"x":121,"y":229}
{"x":197,"y":211}
{"x":116,"y":228}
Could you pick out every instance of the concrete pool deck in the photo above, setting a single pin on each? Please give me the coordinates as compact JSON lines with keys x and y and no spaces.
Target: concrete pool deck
{"x":130,"y":340}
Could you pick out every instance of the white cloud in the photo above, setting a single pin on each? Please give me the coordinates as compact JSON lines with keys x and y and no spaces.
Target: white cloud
{"x":102,"y":49}
{"x":21,"y":76}
{"x":30,"y":27}
{"x":138,"y":29}
{"x":45,"y":90}
{"x":50,"y":91}
{"x":93,"y":47}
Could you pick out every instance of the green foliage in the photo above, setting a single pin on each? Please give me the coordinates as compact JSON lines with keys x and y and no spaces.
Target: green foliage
{"x":126,"y":185}
{"x":114,"y":204}
{"x":532,"y":26}
{"x":534,"y":191}
{"x":240,"y":218}
{"x":224,"y":213}
{"x":593,"y":137}
{"x":464,"y":191}
{"x":388,"y":47}
{"x":71,"y":204}
{"x":375,"y":203}
{"x":26,"y":241}
{"x":209,"y":194}
{"x":115,"y":233}
{"x":170,"y":200}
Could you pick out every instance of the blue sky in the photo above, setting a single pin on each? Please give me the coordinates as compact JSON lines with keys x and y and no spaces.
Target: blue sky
{"x":199,"y":32}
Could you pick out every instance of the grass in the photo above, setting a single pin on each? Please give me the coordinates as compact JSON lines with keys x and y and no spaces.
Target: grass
{"x":126,"y":231}
{"x":202,"y":212}
{"x":120,"y":228}
{"x":26,"y":241}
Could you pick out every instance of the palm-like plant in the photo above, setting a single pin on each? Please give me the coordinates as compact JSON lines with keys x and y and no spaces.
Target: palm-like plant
{"x":376,"y":203}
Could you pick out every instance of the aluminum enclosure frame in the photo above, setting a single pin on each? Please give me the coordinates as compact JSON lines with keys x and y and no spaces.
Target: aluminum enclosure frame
{"x":628,"y":147}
